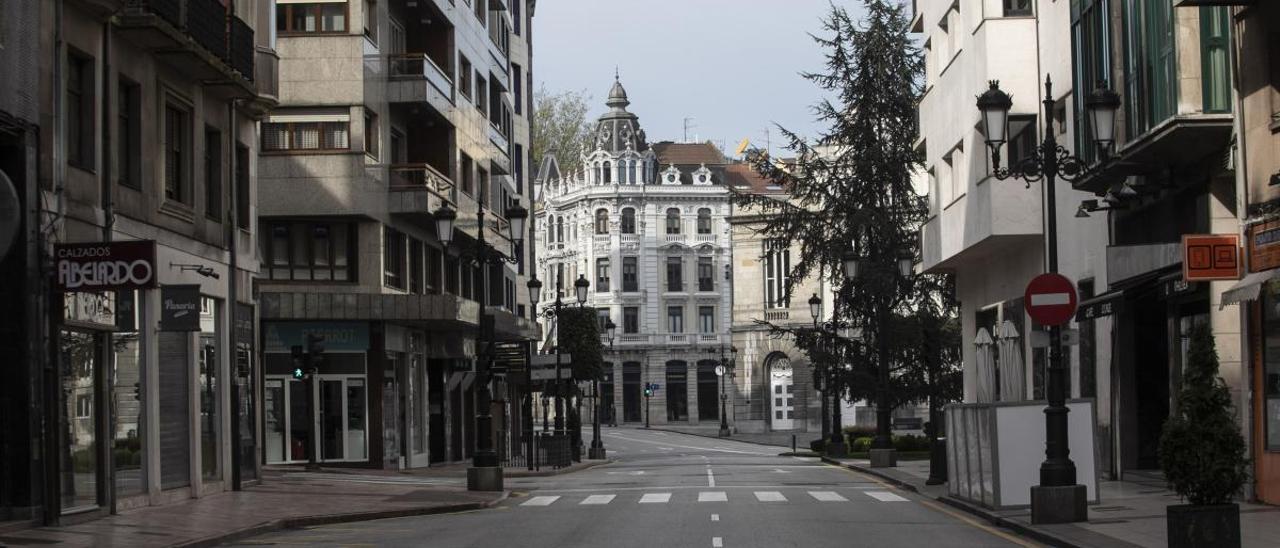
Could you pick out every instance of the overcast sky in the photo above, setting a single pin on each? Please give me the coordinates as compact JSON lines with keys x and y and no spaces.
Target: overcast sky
{"x":731,"y":65}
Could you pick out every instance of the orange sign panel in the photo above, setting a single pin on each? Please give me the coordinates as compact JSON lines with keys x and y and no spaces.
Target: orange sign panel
{"x":1210,"y":257}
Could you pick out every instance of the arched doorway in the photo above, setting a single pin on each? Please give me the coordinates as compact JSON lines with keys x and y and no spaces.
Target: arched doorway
{"x":781,"y":391}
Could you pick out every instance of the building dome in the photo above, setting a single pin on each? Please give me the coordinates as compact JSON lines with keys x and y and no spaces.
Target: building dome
{"x":618,"y":130}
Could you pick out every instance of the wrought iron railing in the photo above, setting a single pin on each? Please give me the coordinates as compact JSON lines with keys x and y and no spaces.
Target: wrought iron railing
{"x":241,"y":53}
{"x":207,"y":24}
{"x":421,"y":176}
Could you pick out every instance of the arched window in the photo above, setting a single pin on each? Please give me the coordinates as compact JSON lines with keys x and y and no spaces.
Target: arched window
{"x":551,"y":231}
{"x":560,"y":229}
{"x":599,"y":174}
{"x":602,"y":221}
{"x":608,"y":173}
{"x":628,"y":221}
{"x":673,"y":221}
{"x":631,"y":172}
{"x":704,"y":221}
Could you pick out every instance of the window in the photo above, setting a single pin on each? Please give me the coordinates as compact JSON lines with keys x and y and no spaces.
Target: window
{"x":1022,"y":138}
{"x":602,"y":275}
{"x":706,"y":319}
{"x":468,"y":178}
{"x":631,"y":319}
{"x":482,"y":183}
{"x":518,"y":164}
{"x":675,"y":319}
{"x":306,"y":132}
{"x":84,"y":406}
{"x":630,"y":274}
{"x":777,"y":267}
{"x":482,"y":11}
{"x":1017,"y":8}
{"x":371,"y":20}
{"x":317,"y":17}
{"x":608,"y":172}
{"x":129,"y":133}
{"x":706,"y":274}
{"x":464,"y":76}
{"x":435,"y":265}
{"x":213,"y":173}
{"x":704,"y":221}
{"x":602,"y":319}
{"x":482,"y":94}
{"x":393,"y":263}
{"x":517,"y":90}
{"x":602,"y":221}
{"x":674,"y":274}
{"x":560,"y":229}
{"x":515,"y":16}
{"x":80,"y":95}
{"x":1215,"y":63}
{"x":628,"y":220}
{"x":177,"y":153}
{"x":673,"y":221}
{"x":1151,"y":89}
{"x":244,"y":192}
{"x":371,"y":133}
{"x":308,"y":251}
{"x":1091,"y":53}
{"x":416,"y":280}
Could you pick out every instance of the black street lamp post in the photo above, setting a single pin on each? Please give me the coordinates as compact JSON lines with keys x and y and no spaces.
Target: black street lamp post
{"x":552,"y":313}
{"x":835,"y":445}
{"x":597,"y":451}
{"x":1058,"y":498}
{"x":485,"y":473}
{"x":725,"y":369}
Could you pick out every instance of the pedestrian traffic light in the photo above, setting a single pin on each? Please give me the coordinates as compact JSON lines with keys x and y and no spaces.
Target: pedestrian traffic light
{"x":298,"y":373}
{"x":648,"y":390}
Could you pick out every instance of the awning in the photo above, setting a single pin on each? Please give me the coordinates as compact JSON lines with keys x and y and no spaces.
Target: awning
{"x":1248,"y":288}
{"x":1102,"y":305}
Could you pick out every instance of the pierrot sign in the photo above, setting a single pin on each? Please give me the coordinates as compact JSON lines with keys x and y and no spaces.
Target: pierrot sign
{"x":1050,"y":299}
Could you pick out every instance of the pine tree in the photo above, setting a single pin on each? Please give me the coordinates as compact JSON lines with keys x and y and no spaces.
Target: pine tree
{"x":1201,"y":450}
{"x":851,"y":191}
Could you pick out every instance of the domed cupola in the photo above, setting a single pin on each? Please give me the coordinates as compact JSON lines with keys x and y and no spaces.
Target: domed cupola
{"x":618,"y":130}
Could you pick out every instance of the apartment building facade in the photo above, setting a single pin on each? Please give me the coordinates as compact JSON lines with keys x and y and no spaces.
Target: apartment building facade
{"x":143,"y":137}
{"x":389,"y":110}
{"x":646,"y":225}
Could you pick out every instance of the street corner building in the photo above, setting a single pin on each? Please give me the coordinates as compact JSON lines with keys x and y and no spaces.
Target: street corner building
{"x":388,"y":111}
{"x":128,"y":133}
{"x":646,"y":224}
{"x":1193,"y":128}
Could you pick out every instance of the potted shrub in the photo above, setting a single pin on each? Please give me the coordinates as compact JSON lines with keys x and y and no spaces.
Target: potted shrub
{"x":1203,"y":454}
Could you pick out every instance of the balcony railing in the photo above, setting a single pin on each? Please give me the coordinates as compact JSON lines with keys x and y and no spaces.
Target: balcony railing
{"x":677,"y":338}
{"x":266,"y":71}
{"x":705,"y":238}
{"x":207,"y":24}
{"x":633,"y":339}
{"x":499,"y":139}
{"x":676,"y":238}
{"x":411,"y":177}
{"x":630,"y":238}
{"x":776,"y":315}
{"x":601,"y":240}
{"x":241,"y":49}
{"x":420,"y":65}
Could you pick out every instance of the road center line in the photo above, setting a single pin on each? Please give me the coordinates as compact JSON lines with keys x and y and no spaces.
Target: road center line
{"x":715,"y":517}
{"x":717,"y":542}
{"x":711,"y":478}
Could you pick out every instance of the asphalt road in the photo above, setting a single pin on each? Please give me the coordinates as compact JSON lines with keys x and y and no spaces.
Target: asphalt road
{"x":673,"y":490}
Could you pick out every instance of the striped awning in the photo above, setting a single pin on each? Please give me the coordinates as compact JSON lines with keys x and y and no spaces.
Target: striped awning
{"x":1248,"y":288}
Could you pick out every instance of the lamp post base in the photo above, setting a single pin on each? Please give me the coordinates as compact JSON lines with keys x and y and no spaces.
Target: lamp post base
{"x":884,"y":458}
{"x":484,"y":478}
{"x":1059,"y":504}
{"x":724,"y":432}
{"x":836,"y":449}
{"x":596,"y":453}
{"x":937,"y":462}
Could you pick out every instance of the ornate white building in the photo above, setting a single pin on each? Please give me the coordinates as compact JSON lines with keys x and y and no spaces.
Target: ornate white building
{"x":647,"y":226}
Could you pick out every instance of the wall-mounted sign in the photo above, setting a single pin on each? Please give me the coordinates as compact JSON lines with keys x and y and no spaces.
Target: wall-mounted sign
{"x":1264,"y":246}
{"x":105,"y":266}
{"x":338,"y":336}
{"x":92,"y":310}
{"x":180,"y":308}
{"x":1210,"y":257}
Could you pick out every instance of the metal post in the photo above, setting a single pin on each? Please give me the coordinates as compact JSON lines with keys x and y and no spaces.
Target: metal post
{"x":485,"y":473}
{"x":528,"y":391}
{"x":724,"y":418}
{"x":312,"y":450}
{"x":559,"y":393}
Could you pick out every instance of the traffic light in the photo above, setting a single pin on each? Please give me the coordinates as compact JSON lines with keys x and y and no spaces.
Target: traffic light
{"x":298,"y":373}
{"x":137,"y":391}
{"x":648,"y":390}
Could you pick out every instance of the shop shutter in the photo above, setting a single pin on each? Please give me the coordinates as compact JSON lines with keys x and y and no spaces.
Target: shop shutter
{"x":175,"y":410}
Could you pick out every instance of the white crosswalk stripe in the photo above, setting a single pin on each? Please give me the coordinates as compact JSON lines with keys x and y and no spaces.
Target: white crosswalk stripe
{"x":598,"y":499}
{"x":770,"y":496}
{"x":541,"y":501}
{"x":655,"y":498}
{"x":827,"y":496}
{"x":712,"y":496}
{"x":885,"y":496}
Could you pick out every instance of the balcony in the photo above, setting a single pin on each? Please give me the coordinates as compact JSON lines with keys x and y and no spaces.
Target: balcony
{"x":499,"y":139}
{"x":777,"y":315}
{"x":195,"y":36}
{"x":984,"y":222}
{"x":419,"y":66}
{"x":676,"y":238}
{"x":266,"y":76}
{"x":416,"y":188}
{"x":602,"y":242}
{"x":1179,"y":142}
{"x":630,"y":239}
{"x":704,"y":238}
{"x":627,"y":339}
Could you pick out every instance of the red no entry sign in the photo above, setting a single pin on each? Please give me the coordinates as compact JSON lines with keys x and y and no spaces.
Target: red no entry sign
{"x":1050,"y":299}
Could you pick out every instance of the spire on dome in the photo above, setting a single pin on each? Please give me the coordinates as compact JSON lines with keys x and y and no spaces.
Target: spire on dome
{"x":617,"y":95}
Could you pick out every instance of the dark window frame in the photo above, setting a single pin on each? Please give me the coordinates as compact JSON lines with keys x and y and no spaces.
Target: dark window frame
{"x":631,"y":319}
{"x":291,"y":131}
{"x":81,"y":116}
{"x":706,"y":274}
{"x":602,"y":275}
{"x":213,"y":179}
{"x":394,"y":258}
{"x":128,"y":133}
{"x":630,"y":274}
{"x":675,"y":274}
{"x":269,"y":232}
{"x":178,"y":190}
{"x":628,"y":220}
{"x":285,"y":13}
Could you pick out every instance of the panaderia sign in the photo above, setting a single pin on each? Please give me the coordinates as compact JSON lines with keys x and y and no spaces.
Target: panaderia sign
{"x":105,"y":266}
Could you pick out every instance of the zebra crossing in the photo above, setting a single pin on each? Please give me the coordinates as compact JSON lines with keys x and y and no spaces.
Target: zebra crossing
{"x":709,"y":496}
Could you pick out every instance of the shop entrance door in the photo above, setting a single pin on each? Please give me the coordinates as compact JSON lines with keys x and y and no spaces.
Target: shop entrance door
{"x":339,"y":418}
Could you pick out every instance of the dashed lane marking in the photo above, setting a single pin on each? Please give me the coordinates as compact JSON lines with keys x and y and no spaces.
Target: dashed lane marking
{"x":885,"y":496}
{"x":713,"y":496}
{"x":540,"y":501}
{"x":770,"y":496}
{"x":598,"y":499}
{"x":655,"y":498}
{"x":827,"y":496}
{"x":717,"y":542}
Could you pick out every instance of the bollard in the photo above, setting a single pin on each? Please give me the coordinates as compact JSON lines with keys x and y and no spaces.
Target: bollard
{"x":793,"y":443}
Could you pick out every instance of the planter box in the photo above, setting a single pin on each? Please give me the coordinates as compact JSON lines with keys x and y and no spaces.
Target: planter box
{"x":1209,"y":526}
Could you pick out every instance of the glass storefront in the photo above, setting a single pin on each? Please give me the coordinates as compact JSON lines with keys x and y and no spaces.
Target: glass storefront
{"x":126,"y":399}
{"x":79,"y":459}
{"x":210,"y":455}
{"x":1270,"y":388}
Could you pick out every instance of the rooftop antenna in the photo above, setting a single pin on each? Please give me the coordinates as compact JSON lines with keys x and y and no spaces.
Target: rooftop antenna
{"x":686,"y":128}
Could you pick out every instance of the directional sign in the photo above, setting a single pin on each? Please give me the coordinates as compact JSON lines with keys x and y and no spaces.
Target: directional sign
{"x":550,"y":374}
{"x":549,"y":360}
{"x":1050,"y":299}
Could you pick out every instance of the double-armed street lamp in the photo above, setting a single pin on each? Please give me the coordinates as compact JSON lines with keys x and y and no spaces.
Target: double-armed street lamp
{"x":857,"y":267}
{"x":552,"y":313}
{"x":1058,"y":498}
{"x":485,"y":473}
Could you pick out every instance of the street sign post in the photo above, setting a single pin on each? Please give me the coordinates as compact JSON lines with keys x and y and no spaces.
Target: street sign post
{"x":1050,"y":299}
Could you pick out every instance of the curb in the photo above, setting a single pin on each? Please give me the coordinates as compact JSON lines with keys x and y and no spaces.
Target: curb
{"x":329,"y":519}
{"x":1031,"y":532}
{"x":714,"y":437}
{"x":557,"y":472}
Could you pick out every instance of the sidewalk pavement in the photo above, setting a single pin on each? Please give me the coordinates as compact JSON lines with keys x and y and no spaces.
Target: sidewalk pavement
{"x":1130,"y":513}
{"x":777,"y":439}
{"x":284,"y":499}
